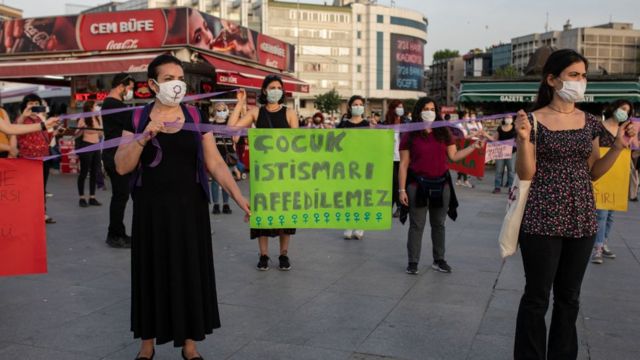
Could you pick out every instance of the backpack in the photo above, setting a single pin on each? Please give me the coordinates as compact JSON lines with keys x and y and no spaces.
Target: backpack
{"x":140,"y":119}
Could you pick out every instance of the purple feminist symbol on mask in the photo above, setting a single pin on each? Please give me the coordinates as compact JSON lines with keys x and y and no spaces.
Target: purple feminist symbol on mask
{"x":177,"y":89}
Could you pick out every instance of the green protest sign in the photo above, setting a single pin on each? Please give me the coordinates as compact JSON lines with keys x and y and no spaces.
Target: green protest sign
{"x":320,"y":178}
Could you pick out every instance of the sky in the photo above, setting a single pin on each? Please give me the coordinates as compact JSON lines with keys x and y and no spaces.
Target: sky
{"x":457,"y":24}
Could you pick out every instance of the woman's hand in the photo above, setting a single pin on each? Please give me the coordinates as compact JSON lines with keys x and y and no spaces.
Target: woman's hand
{"x":523,"y":127}
{"x":479,"y":144}
{"x":241,"y":96}
{"x":404,"y":199}
{"x":626,"y":132}
{"x":153,"y":128}
{"x":244,"y":205}
{"x":52,"y":122}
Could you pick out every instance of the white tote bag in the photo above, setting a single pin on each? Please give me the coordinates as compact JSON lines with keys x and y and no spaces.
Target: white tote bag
{"x":518,"y":194}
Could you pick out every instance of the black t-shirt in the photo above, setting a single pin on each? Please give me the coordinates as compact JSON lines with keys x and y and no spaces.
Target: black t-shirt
{"x":507,"y":135}
{"x":348,"y":124}
{"x":113,"y":124}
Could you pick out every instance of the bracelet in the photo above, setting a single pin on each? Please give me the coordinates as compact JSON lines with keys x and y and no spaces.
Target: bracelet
{"x":139,"y":143}
{"x":43,"y":127}
{"x":402,"y":190}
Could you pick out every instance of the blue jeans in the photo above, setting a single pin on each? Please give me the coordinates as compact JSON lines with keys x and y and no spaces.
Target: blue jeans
{"x":605,"y":222}
{"x":215,"y":194}
{"x":511,"y":165}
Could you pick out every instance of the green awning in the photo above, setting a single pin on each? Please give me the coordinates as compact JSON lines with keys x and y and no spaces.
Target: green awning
{"x":506,"y":92}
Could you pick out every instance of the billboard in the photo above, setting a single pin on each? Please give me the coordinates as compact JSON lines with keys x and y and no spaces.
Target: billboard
{"x":142,"y":29}
{"x":221,"y":36}
{"x":407,"y":62}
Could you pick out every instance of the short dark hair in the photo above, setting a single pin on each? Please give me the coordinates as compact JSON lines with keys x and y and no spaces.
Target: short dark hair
{"x":29,"y":98}
{"x":268,"y":80}
{"x":152,"y":70}
{"x":121,"y":79}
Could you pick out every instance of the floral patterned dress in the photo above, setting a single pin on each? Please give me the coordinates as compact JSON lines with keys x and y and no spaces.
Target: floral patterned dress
{"x":561,"y":201}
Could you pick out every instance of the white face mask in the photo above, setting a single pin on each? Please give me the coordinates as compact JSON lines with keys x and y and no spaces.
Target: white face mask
{"x":128,"y":96}
{"x":357,"y":110}
{"x":399,"y":111}
{"x":171,"y":92}
{"x":428,"y":116}
{"x":222,"y":115}
{"x":508,"y":121}
{"x":572,"y":91}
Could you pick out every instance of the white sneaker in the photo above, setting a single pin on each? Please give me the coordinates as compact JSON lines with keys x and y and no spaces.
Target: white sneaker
{"x":358,"y":234}
{"x":458,"y":182}
{"x":468,"y":184}
{"x":348,"y":234}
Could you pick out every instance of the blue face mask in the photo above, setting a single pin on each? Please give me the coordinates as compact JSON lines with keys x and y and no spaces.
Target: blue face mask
{"x":621,"y":115}
{"x":274,"y":95}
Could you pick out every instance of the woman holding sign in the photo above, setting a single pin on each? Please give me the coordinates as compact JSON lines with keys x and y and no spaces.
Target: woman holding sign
{"x":354,"y":119}
{"x":559,"y":222}
{"x":172,"y":277}
{"x":272,"y":114}
{"x":505,"y":131}
{"x":425,"y":182}
{"x":618,"y":113}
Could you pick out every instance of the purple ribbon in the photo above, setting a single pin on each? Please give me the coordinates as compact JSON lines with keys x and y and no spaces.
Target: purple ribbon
{"x":230,"y":131}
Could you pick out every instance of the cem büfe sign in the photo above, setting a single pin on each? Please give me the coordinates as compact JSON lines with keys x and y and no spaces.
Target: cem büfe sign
{"x":407,"y":62}
{"x":123,"y":30}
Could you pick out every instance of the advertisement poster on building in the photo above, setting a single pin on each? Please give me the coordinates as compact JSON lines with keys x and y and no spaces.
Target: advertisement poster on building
{"x":407,"y":62}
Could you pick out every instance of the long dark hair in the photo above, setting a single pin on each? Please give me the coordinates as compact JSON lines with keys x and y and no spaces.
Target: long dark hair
{"x":608,"y":112}
{"x":88,"y":107}
{"x":351,"y":101}
{"x":263,"y":89}
{"x":390,"y":117}
{"x":556,"y":63}
{"x":442,"y":134}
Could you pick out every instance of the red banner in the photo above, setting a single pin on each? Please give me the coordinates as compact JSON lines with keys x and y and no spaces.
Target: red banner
{"x":471,"y":165}
{"x":22,"y":229}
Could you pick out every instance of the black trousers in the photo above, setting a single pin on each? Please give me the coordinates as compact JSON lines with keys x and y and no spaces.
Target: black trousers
{"x":560,"y":263}
{"x":89,"y":165}
{"x":119,"y":198}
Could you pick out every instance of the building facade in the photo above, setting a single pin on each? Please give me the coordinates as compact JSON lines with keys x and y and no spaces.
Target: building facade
{"x":500,"y":57}
{"x":444,"y":80}
{"x":477,"y":64}
{"x":352,"y":46}
{"x":8,"y":12}
{"x":612,"y":48}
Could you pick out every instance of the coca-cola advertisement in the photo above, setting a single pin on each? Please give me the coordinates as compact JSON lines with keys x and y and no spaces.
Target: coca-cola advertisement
{"x":143,"y":29}
{"x":407,"y":62}
{"x":38,"y":35}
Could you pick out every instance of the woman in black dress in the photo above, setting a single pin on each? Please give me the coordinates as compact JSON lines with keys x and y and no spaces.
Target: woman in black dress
{"x":173,"y":283}
{"x":561,"y":158}
{"x":272,"y":114}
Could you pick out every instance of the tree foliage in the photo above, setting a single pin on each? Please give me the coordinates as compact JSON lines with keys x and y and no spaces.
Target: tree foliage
{"x":445,"y":54}
{"x":328,"y":102}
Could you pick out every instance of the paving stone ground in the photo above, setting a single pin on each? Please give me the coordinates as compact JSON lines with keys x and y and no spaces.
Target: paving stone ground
{"x":342,"y":300}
